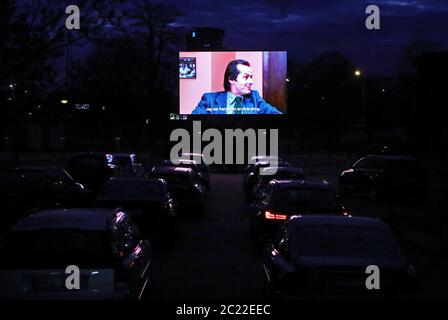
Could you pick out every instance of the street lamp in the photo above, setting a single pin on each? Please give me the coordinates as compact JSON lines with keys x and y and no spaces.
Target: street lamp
{"x":64,"y":101}
{"x":358,"y":74}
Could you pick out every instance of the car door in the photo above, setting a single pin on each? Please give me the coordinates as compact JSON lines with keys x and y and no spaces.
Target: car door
{"x":277,"y":253}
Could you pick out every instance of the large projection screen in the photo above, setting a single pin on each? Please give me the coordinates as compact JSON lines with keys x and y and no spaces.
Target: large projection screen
{"x":201,"y":83}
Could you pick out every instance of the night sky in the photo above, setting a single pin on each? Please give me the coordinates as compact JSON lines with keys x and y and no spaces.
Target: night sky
{"x":307,"y":28}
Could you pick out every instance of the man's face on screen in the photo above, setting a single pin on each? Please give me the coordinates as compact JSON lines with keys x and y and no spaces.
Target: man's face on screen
{"x":243,"y":83}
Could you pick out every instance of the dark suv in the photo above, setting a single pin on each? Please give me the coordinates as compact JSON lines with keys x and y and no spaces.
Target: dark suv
{"x":381,"y":176}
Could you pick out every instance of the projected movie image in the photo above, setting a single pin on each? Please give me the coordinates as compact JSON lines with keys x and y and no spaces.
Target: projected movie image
{"x":232,"y":83}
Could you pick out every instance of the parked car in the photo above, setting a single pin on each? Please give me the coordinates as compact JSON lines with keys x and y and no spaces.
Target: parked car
{"x":386,"y":176}
{"x":326,"y":257}
{"x":105,"y":245}
{"x":126,"y":164}
{"x":253,"y":172}
{"x":385,"y":149}
{"x":200,"y":169}
{"x":185,"y":187}
{"x":271,"y":173}
{"x":26,"y":188}
{"x":149,"y":204}
{"x":92,"y":169}
{"x":201,"y":164}
{"x":285,"y":198}
{"x":261,"y":159}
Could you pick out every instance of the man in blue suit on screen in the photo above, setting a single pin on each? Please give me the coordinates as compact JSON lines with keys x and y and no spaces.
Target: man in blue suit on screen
{"x":238,"y":97}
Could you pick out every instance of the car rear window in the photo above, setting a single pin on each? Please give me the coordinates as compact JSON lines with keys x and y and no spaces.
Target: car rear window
{"x":311,"y":199}
{"x":283,"y":175}
{"x":122,"y":160}
{"x":342,"y":241}
{"x":57,"y":249}
{"x":132,"y":190}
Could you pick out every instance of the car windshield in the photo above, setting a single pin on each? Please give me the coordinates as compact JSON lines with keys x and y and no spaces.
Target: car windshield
{"x":132,"y":190}
{"x":122,"y":160}
{"x":56,"y":249}
{"x":342,"y":241}
{"x":310,"y":200}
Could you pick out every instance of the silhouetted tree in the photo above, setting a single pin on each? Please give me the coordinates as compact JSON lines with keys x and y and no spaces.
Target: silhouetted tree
{"x":405,"y":83}
{"x":323,"y":97}
{"x":152,"y":28}
{"x":34,"y":34}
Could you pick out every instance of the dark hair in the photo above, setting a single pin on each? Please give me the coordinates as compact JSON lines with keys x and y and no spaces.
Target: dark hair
{"x":232,"y":72}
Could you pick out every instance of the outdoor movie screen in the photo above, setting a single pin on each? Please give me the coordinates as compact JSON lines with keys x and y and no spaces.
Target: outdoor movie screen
{"x":232,"y":82}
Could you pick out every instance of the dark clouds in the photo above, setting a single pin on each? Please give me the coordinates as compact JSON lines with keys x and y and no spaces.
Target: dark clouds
{"x":307,"y":28}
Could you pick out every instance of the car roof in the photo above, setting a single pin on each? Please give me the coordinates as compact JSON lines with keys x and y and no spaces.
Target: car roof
{"x":122,"y":154}
{"x":171,"y":170}
{"x":125,"y":179}
{"x":258,"y":157}
{"x":89,"y":153}
{"x":181,"y":161}
{"x":192,"y":154}
{"x":390,"y":158}
{"x":300,"y":184}
{"x":283,"y":169}
{"x":336,"y":220}
{"x":265,"y":162}
{"x":79,"y":218}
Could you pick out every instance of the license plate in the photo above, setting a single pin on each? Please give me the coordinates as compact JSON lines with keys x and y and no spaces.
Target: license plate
{"x":346,"y":282}
{"x":49,"y":283}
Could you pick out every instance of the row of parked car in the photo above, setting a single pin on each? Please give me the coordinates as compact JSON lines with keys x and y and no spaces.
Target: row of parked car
{"x":102,"y":213}
{"x":313,"y":247}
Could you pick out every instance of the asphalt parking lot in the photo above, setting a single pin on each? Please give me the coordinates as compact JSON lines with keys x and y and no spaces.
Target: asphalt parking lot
{"x":214,"y":257}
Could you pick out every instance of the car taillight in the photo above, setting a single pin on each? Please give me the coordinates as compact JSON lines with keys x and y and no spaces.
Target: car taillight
{"x":274,"y":216}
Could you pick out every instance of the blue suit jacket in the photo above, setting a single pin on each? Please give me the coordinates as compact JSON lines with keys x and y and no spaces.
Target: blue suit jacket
{"x":216,"y":103}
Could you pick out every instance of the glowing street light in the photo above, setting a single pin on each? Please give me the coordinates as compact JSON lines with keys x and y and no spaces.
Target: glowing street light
{"x":358,"y":74}
{"x":64,"y":101}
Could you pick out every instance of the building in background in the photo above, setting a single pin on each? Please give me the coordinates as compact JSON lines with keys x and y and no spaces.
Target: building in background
{"x":205,"y":39}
